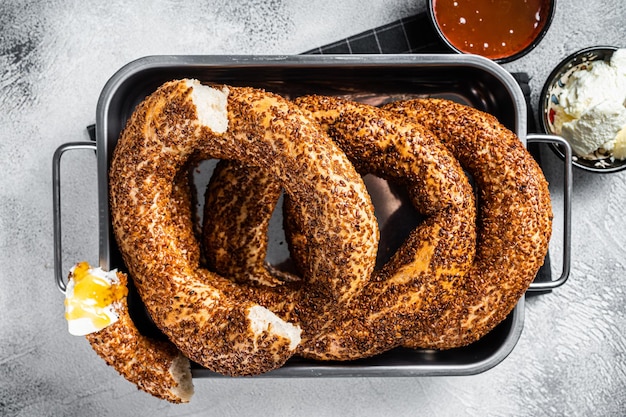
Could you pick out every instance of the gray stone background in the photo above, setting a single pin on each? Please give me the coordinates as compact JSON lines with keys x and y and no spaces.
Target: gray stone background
{"x":55,"y":57}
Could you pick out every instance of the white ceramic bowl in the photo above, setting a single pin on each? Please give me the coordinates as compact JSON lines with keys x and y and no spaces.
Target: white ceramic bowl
{"x":600,"y":161}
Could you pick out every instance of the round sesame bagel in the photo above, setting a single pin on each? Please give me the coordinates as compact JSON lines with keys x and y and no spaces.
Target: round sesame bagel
{"x":515,"y":216}
{"x":212,"y":319}
{"x":514,"y":220}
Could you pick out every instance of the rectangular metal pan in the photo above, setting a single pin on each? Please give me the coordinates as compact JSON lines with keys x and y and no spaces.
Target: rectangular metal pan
{"x":371,"y":78}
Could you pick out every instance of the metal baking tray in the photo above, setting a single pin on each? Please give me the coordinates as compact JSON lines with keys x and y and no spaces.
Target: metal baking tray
{"x":375,"y":79}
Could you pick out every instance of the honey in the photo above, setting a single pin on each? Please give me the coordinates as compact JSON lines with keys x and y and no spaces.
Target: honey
{"x":496,"y":29}
{"x":91,"y":296}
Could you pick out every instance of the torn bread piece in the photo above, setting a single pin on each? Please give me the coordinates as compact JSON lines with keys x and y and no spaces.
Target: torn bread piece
{"x":154,"y":366}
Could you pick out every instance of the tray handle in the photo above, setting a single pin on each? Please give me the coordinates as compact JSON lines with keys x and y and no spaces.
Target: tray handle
{"x":56,"y":206}
{"x":567,"y":210}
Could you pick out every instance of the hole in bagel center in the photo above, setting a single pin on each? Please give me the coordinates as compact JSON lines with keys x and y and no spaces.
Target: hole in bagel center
{"x":395,"y":214}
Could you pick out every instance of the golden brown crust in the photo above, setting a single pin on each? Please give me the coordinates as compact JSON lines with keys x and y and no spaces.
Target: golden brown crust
{"x":152,"y":365}
{"x":436,"y":255}
{"x":208,"y":316}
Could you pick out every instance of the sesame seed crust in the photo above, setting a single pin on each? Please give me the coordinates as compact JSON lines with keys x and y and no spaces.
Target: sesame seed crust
{"x":515,"y":217}
{"x":148,"y":363}
{"x":206,"y":315}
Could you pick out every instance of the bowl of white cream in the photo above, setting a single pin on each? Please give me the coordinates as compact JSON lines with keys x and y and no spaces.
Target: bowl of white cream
{"x":584,"y":101}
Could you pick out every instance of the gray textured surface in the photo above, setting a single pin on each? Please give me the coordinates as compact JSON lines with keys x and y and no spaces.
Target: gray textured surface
{"x":55,"y":57}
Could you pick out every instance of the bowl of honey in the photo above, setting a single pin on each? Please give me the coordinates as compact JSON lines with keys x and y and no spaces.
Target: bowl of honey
{"x":501,"y":30}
